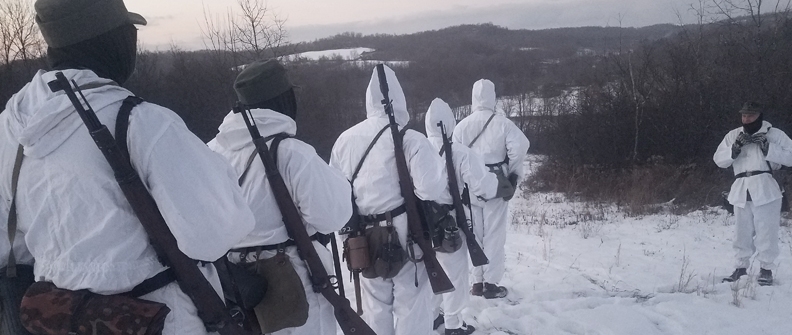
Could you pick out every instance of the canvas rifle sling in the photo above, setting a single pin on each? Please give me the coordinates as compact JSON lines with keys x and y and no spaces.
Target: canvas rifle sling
{"x":482,"y":130}
{"x":12,"y":215}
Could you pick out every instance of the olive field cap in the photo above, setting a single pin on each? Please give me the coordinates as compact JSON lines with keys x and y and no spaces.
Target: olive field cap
{"x":67,"y":22}
{"x":751,"y":107}
{"x":261,"y":81}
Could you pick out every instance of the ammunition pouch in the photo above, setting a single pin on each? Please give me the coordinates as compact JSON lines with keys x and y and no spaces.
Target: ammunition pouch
{"x":11,"y":290}
{"x":48,"y":310}
{"x":385,"y":252}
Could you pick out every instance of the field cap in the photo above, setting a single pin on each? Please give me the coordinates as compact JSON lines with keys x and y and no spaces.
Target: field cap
{"x":67,"y":22}
{"x":261,"y":81}
{"x":751,"y":107}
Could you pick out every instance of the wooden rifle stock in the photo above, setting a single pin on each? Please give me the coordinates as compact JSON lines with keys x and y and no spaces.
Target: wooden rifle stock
{"x":477,"y":256}
{"x":350,"y":322}
{"x":211,"y":308}
{"x":437,"y":276}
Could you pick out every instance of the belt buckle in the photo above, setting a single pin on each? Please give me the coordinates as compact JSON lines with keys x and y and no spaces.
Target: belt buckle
{"x":749,"y":173}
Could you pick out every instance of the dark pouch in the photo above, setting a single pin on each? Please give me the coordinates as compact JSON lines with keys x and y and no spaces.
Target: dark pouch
{"x":387,"y":255}
{"x":244,"y":287}
{"x":285,"y":304}
{"x":445,"y":233}
{"x":11,"y":291}
{"x":48,"y":310}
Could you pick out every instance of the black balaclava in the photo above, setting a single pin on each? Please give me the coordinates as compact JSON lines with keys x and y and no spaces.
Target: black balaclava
{"x":110,"y":55}
{"x":753,"y":127}
{"x":285,"y":103}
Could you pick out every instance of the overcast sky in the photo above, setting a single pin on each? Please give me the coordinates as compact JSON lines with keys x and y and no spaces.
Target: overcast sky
{"x":180,"y":21}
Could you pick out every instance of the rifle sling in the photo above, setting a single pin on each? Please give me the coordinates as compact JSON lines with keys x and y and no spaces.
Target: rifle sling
{"x":482,"y":130}
{"x":12,"y":215}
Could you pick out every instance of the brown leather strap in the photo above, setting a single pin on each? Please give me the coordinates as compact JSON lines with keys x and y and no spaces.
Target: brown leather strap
{"x":12,"y":214}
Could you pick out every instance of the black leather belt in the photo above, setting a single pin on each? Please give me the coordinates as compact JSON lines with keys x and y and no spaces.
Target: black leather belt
{"x":750,"y":173}
{"x":492,"y":166}
{"x":384,"y":216}
{"x":270,"y":247}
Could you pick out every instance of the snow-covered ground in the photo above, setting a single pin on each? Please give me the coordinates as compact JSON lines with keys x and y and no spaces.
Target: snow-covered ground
{"x":350,"y":55}
{"x":588,"y":269}
{"x":582,"y":268}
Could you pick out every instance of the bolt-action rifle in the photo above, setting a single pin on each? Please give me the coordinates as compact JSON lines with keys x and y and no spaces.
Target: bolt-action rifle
{"x":477,"y":256}
{"x":211,"y":308}
{"x":350,"y":322}
{"x":437,"y":277}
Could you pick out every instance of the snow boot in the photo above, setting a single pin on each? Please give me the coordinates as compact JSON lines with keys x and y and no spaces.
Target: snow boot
{"x":477,"y":289}
{"x":765,"y":277}
{"x":492,"y":291}
{"x":439,"y":321}
{"x":465,"y":330}
{"x":735,"y":276}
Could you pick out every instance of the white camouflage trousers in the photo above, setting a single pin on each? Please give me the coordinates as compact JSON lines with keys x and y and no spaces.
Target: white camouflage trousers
{"x":757,"y":232}
{"x":452,"y":303}
{"x":490,"y":226}
{"x":396,"y":306}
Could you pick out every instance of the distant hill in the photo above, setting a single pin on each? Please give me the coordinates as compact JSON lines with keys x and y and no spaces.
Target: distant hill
{"x":489,"y":38}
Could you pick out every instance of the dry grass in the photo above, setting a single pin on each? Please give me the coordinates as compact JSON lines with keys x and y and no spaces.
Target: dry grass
{"x":639,"y":190}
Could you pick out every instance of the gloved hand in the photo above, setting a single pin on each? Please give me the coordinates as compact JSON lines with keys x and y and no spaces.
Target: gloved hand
{"x":761,"y":140}
{"x":741,"y":140}
{"x":513,"y":180}
{"x":505,"y":187}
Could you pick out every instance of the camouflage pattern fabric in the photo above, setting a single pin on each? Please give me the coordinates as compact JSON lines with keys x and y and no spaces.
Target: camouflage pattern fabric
{"x":48,"y":310}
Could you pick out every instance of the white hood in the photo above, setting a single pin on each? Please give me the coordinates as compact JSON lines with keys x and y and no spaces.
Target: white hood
{"x":374,"y":107}
{"x":41,"y":120}
{"x":439,"y":111}
{"x":234,"y":134}
{"x":484,"y":96}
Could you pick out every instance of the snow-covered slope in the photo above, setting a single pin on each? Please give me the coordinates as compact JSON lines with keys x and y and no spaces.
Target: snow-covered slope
{"x":587,"y":269}
{"x":577,"y":268}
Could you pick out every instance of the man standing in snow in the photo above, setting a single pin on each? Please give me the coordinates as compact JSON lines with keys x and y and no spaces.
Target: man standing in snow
{"x":77,"y":224}
{"x":473,"y":175}
{"x":503,"y":147}
{"x":754,"y":151}
{"x":401,"y":305}
{"x":320,"y":192}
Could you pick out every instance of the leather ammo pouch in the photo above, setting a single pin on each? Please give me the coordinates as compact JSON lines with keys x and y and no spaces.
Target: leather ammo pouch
{"x":285,"y":304}
{"x":48,"y":310}
{"x":385,"y":252}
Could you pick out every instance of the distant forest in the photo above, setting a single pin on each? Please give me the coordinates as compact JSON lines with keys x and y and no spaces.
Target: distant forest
{"x":615,"y":101}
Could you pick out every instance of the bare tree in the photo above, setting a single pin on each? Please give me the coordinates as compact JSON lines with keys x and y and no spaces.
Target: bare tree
{"x":257,"y":32}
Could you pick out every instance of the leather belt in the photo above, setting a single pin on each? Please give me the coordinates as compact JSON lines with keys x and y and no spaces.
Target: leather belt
{"x":384,"y":216}
{"x":750,"y":173}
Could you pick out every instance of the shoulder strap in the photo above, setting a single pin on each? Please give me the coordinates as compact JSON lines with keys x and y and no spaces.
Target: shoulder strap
{"x":482,"y":130}
{"x":365,"y":154}
{"x":12,"y":214}
{"x":122,"y":122}
{"x":276,"y":139}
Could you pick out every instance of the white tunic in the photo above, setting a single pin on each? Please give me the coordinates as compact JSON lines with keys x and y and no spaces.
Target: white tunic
{"x":763,"y":188}
{"x":76,"y":222}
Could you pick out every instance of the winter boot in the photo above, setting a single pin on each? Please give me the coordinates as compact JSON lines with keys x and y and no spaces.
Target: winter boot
{"x":735,"y":276}
{"x":439,"y":321}
{"x":492,"y":291}
{"x":477,"y":289}
{"x":465,"y":330}
{"x":765,"y":277}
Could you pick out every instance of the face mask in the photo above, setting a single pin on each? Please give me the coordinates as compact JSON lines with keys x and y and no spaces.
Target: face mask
{"x":753,"y":127}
